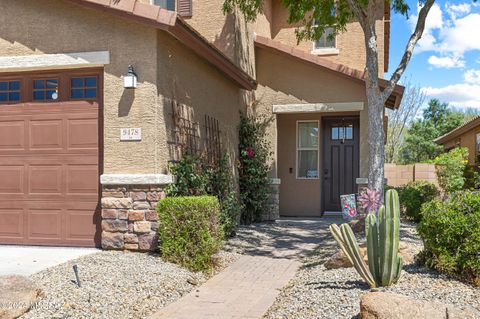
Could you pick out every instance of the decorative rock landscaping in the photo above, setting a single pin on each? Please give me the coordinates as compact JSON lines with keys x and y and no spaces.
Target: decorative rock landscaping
{"x":317,"y":292}
{"x":129,"y":217}
{"x":115,"y":284}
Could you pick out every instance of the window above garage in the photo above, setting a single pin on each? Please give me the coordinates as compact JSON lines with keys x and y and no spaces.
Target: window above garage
{"x":10,"y":91}
{"x":50,"y":87}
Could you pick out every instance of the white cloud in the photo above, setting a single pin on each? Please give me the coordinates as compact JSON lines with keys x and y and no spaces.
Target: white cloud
{"x":463,"y":35}
{"x":455,"y":10}
{"x":446,"y":62}
{"x":472,"y":76}
{"x":458,"y":95}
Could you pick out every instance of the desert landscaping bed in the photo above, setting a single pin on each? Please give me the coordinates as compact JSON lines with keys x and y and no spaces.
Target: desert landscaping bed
{"x":114,"y":285}
{"x":317,"y":292}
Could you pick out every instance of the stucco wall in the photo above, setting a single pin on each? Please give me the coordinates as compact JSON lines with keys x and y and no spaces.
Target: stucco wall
{"x":228,"y":32}
{"x":284,"y":80}
{"x":468,"y":140}
{"x":351,"y":43}
{"x":53,"y":26}
{"x":198,"y":85}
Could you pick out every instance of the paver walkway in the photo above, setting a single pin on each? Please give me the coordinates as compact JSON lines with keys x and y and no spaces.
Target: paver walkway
{"x":248,"y":287}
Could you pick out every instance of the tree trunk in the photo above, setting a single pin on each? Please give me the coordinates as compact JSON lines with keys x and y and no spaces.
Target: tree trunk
{"x":376,"y":104}
{"x":376,"y":138}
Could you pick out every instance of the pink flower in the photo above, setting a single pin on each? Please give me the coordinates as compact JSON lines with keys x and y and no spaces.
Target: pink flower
{"x":250,"y":152}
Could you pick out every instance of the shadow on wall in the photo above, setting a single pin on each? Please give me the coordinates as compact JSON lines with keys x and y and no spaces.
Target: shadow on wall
{"x":225,"y":41}
{"x":126,"y":102}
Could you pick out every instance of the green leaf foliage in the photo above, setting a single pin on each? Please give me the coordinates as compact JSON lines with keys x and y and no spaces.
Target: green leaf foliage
{"x":253,"y":168}
{"x":451,"y":169}
{"x":413,"y":195}
{"x":190,"y":231}
{"x":438,"y":119}
{"x":194,"y":178}
{"x":314,"y":15}
{"x":450,"y":230}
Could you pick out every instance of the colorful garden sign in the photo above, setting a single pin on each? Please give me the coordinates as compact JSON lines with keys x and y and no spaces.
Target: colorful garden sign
{"x":349,"y":206}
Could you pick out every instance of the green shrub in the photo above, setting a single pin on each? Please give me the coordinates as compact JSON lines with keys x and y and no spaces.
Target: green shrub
{"x":413,"y":195}
{"x":190,"y":230}
{"x":195,"y":178}
{"x":253,"y":168}
{"x":190,"y":177}
{"x":221,"y":184}
{"x":451,"y":169}
{"x":451,"y":233}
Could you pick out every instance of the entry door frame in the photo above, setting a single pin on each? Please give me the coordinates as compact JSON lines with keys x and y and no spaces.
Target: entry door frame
{"x":325,"y":143}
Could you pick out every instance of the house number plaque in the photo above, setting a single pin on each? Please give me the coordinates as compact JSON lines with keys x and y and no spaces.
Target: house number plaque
{"x":130,"y":134}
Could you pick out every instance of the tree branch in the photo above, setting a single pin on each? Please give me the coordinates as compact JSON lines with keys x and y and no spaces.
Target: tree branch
{"x":407,"y":55}
{"x":359,"y":12}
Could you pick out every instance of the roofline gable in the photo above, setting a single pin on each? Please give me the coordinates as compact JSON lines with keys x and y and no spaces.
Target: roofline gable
{"x":393,"y":102}
{"x":172,"y":23}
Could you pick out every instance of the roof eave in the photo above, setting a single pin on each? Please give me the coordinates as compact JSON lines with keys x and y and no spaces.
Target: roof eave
{"x":170,"y":22}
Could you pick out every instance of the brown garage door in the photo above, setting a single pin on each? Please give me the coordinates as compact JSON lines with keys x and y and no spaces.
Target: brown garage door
{"x":49,"y":158}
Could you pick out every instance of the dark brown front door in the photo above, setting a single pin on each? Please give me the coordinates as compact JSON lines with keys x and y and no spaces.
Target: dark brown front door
{"x":340,"y":159}
{"x":49,"y":158}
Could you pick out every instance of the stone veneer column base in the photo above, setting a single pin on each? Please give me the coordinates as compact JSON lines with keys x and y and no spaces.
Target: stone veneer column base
{"x":129,"y":216}
{"x":273,"y":212}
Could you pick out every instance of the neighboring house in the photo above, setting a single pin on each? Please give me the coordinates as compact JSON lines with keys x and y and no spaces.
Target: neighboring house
{"x":466,"y":135}
{"x":316,"y":94}
{"x":67,"y":121}
{"x":84,"y":159}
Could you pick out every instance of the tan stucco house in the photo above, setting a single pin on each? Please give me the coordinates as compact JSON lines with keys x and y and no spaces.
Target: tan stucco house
{"x":466,"y":135}
{"x":97,"y":96}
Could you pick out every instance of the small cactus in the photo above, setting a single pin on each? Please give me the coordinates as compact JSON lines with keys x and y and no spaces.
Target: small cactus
{"x":383,"y":237}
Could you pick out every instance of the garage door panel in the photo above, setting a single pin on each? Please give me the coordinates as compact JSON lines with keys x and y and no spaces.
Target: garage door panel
{"x":46,"y":135}
{"x":80,"y":225}
{"x":82,"y":134}
{"x":82,"y":179}
{"x":12,"y":136}
{"x":11,"y":179}
{"x":45,"y":224}
{"x":45,"y":179}
{"x":11,"y":223}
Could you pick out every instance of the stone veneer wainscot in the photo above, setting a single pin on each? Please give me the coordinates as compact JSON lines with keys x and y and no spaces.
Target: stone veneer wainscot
{"x":129,"y":216}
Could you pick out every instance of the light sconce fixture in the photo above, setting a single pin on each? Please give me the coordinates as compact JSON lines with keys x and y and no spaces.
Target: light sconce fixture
{"x":130,"y":80}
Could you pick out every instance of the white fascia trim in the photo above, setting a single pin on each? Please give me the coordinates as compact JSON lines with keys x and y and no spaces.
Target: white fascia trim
{"x":318,"y":107}
{"x":325,"y":51}
{"x":136,"y":179}
{"x":54,"y":61}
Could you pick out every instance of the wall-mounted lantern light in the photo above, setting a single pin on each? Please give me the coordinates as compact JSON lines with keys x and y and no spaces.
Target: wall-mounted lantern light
{"x":130,"y":79}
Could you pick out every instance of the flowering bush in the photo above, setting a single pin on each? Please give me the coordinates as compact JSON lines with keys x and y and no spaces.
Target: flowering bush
{"x":253,"y":168}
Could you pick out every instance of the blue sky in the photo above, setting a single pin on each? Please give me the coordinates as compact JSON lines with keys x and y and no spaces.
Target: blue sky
{"x":446,"y":61}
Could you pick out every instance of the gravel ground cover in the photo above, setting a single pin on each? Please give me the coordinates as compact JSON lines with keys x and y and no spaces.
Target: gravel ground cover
{"x":115,"y":285}
{"x":316,"y":292}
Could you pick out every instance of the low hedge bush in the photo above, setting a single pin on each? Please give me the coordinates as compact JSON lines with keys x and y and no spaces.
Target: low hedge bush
{"x":190,"y":231}
{"x":413,"y":195}
{"x":451,"y":233}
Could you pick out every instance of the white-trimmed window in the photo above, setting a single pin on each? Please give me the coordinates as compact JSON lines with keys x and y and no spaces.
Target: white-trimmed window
{"x":325,"y":42}
{"x":165,"y":4}
{"x":307,"y":149}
